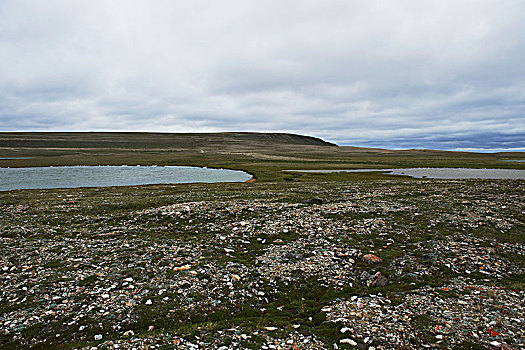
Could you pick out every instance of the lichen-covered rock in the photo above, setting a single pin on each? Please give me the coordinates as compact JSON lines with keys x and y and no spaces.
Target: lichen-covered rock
{"x":371,"y":259}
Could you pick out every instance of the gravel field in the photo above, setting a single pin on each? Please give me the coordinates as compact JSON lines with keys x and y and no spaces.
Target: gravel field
{"x":390,"y":264}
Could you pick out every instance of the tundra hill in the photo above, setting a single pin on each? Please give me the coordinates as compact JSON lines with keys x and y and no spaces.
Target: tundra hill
{"x":165,"y":141}
{"x":265,"y":155}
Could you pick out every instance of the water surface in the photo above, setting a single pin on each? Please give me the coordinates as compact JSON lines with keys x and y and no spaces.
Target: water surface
{"x":438,"y":173}
{"x":102,"y":176}
{"x":9,"y":158}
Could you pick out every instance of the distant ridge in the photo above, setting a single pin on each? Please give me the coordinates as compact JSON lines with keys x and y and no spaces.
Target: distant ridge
{"x":143,"y":140}
{"x":282,"y":138}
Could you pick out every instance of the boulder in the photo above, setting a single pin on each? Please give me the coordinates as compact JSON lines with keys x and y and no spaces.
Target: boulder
{"x":371,"y":259}
{"x":372,"y":280}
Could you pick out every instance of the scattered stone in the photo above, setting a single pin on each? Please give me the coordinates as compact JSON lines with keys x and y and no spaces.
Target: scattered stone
{"x":348,"y":341}
{"x":315,"y":200}
{"x":182,"y":268}
{"x":372,"y":280}
{"x":371,"y":259}
{"x":452,"y":271}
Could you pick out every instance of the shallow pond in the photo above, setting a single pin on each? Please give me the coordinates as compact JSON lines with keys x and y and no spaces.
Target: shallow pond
{"x":12,"y":158}
{"x":438,"y":173}
{"x":103,"y":176}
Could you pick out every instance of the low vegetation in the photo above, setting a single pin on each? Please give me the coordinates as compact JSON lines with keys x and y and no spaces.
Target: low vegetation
{"x":309,"y":261}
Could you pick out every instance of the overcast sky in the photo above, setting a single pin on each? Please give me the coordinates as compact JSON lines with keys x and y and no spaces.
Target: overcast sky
{"x":442,"y":74}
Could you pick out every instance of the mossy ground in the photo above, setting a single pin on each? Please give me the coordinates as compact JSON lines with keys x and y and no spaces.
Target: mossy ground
{"x":383,"y":214}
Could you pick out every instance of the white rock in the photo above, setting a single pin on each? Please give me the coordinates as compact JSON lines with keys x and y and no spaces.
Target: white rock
{"x":495,"y":343}
{"x":98,"y":336}
{"x":344,"y":329}
{"x":149,"y":302}
{"x":348,"y":341}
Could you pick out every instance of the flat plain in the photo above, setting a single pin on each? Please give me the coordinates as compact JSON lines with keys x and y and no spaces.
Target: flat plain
{"x":290,"y":261}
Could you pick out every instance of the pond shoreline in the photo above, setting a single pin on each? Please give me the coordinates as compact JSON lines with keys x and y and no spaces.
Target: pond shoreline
{"x":434,"y":173}
{"x":109,"y":176}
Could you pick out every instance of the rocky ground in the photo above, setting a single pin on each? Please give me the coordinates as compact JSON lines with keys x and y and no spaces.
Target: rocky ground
{"x":400,"y":264}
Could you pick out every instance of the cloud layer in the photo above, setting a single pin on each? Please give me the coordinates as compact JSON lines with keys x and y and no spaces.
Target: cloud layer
{"x":397,"y":74}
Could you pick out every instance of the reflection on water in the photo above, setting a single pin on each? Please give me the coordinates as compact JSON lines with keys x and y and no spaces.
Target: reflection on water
{"x":102,"y":176}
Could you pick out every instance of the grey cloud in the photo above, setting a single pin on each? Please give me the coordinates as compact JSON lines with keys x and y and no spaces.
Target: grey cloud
{"x":463,"y":142}
{"x":402,"y":74}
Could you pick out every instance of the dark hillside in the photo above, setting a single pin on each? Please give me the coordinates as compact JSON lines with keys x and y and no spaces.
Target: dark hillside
{"x":265,"y":155}
{"x":133,"y":140}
